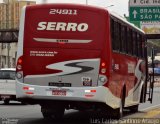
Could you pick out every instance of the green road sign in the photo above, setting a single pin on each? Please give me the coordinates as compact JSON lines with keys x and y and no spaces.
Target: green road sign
{"x":144,"y":13}
{"x":136,"y":23}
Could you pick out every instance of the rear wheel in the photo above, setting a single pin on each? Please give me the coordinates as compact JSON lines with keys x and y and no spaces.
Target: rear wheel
{"x":120,"y":111}
{"x":134,"y":108}
{"x":53,"y":113}
{"x":46,"y":115}
{"x":6,"y":101}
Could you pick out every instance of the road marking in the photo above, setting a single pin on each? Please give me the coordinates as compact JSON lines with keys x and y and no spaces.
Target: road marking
{"x":152,"y":113}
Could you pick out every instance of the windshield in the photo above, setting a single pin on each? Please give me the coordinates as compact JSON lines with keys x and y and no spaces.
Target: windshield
{"x":7,"y":74}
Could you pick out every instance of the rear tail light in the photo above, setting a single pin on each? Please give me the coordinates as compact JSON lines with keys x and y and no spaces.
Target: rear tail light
{"x":28,"y":88}
{"x":102,"y":74}
{"x":103,"y":68}
{"x":90,"y":91}
{"x":19,"y":64}
{"x":19,"y":71}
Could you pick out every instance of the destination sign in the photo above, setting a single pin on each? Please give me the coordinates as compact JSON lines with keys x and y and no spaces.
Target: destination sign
{"x":144,"y":3}
{"x":144,"y":13}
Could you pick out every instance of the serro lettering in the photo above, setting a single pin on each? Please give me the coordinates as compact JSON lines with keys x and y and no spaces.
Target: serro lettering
{"x":62,"y":26}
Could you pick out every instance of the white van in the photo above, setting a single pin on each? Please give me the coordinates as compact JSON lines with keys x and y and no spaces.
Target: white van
{"x":7,"y":85}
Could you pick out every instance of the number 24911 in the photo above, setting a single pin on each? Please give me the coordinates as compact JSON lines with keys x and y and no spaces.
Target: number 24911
{"x":63,"y":11}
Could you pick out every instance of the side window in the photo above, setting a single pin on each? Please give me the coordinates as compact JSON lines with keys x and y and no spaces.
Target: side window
{"x":112,"y":34}
{"x":138,"y":45}
{"x":123,"y":44}
{"x":125,"y":40}
{"x":129,"y":40}
{"x":120,"y":36}
{"x":143,"y":46}
{"x":134,"y":43}
{"x":116,"y":35}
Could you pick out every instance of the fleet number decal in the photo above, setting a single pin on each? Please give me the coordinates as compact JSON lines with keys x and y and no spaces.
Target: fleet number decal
{"x":63,"y":11}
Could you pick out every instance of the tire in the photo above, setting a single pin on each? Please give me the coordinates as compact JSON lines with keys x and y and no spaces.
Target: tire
{"x":134,"y":108}
{"x":6,"y":101}
{"x":23,"y":103}
{"x":120,"y":111}
{"x":56,"y":113}
{"x":46,"y":116}
{"x":59,"y":114}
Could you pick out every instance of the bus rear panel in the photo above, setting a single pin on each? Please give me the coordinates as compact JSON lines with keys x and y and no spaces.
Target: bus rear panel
{"x":74,"y":56}
{"x":61,"y":53}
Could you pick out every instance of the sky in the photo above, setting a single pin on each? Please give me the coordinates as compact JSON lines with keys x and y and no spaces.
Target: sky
{"x":120,"y":6}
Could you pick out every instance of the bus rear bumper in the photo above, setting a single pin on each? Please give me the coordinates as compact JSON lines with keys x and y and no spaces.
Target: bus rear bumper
{"x":82,"y":94}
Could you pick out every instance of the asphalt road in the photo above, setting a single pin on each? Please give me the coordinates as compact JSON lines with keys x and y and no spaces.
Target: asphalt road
{"x":15,"y":113}
{"x":155,"y":103}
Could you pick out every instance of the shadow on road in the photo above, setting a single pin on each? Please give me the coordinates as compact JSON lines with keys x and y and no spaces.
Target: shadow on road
{"x":84,"y":117}
{"x":70,"y":117}
{"x":78,"y":117}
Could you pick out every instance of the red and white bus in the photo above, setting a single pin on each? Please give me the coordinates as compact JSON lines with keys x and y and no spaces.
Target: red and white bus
{"x":79,"y":57}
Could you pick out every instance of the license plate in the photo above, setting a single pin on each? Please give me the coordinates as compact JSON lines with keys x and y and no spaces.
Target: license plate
{"x":59,"y":92}
{"x":59,"y":84}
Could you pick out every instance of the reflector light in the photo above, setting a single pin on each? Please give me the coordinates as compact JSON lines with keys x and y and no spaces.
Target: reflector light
{"x":90,"y":91}
{"x":28,"y":88}
{"x":25,"y":88}
{"x":30,"y":93}
{"x":93,"y":91}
